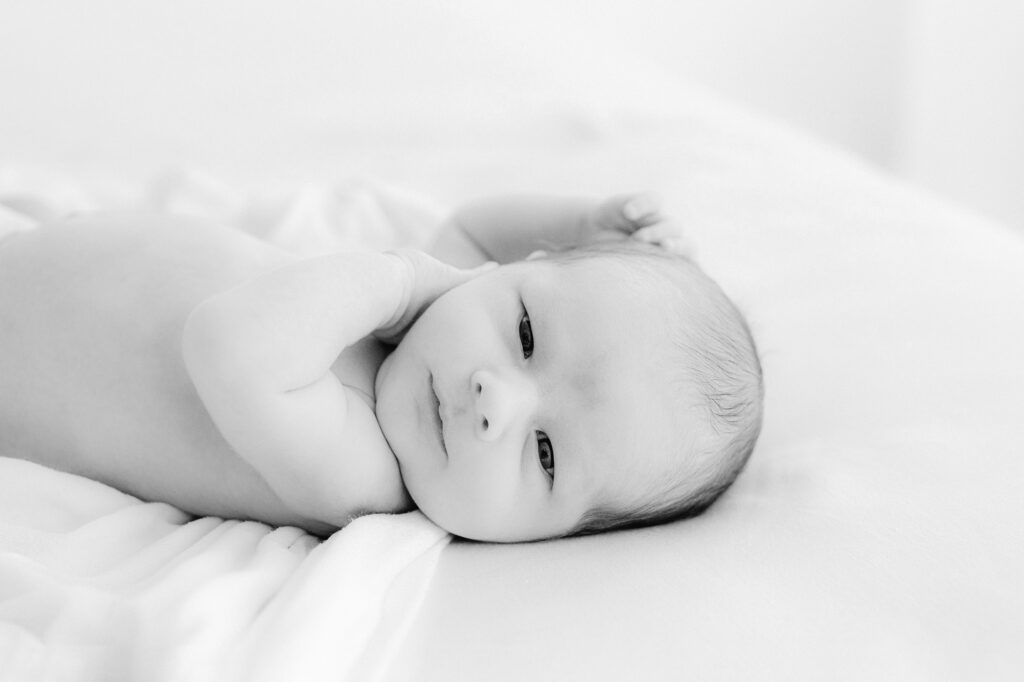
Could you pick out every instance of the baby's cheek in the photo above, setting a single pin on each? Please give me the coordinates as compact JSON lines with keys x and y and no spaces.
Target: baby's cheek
{"x":445,"y":501}
{"x":491,"y":494}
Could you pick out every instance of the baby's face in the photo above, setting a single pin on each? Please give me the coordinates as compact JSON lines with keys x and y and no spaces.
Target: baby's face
{"x":524,"y":398}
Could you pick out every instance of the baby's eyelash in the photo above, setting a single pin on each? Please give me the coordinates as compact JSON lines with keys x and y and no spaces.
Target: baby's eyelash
{"x":526,"y":334}
{"x":546,"y":454}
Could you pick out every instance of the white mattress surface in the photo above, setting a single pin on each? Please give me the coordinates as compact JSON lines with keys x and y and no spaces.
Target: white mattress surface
{"x":878,"y":532}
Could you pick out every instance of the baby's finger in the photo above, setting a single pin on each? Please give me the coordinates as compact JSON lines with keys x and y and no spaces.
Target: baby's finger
{"x":627,"y":212}
{"x":669,"y":236}
{"x":642,"y":210}
{"x":655,"y":234}
{"x":681,"y":246}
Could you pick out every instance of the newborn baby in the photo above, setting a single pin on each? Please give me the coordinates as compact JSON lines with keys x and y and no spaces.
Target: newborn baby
{"x":570,"y":391}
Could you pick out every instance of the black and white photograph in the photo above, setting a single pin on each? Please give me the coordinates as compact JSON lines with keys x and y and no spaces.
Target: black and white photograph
{"x":444,"y":340}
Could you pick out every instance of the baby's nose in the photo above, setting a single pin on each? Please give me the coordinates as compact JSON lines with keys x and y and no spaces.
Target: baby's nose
{"x":501,"y":399}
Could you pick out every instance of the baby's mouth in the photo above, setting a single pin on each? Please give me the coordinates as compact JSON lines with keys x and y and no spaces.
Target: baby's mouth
{"x":438,"y":419}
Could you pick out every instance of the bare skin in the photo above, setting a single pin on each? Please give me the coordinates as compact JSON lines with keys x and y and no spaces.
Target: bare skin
{"x":91,"y":376}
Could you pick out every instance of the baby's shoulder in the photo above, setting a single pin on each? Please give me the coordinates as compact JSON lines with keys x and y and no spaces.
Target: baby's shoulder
{"x":156,"y":256}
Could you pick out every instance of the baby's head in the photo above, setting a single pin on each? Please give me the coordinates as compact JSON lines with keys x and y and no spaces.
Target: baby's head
{"x":606,"y":387}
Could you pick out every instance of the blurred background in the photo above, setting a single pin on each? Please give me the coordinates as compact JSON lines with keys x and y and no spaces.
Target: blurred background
{"x":931,"y":90}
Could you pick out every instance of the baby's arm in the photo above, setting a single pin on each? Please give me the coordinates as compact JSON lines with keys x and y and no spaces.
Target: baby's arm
{"x":260,"y":356}
{"x":507,"y":229}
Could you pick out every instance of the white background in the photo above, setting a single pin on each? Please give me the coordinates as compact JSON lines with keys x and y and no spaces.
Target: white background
{"x":930,"y":89}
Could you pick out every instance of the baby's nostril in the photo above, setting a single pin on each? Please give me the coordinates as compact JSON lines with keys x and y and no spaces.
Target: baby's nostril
{"x":479,"y":388}
{"x":486,"y":424}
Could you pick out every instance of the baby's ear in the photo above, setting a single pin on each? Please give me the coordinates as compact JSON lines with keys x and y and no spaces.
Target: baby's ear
{"x":537,"y":254}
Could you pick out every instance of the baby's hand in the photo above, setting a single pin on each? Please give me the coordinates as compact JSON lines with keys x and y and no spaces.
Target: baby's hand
{"x":427,"y":279}
{"x":632,"y":216}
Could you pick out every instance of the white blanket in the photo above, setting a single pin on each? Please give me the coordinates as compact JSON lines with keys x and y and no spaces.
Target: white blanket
{"x":878,"y":532}
{"x":95,"y":584}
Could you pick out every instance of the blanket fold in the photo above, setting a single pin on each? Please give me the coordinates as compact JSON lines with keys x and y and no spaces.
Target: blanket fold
{"x":96,"y":584}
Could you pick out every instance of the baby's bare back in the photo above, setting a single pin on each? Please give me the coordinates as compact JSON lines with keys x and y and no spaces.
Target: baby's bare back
{"x":91,"y":376}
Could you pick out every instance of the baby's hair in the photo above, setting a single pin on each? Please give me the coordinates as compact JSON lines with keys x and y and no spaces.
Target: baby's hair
{"x":716,"y":351}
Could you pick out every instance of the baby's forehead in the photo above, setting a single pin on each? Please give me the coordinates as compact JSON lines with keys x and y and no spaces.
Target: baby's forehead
{"x":657,"y":456}
{"x":607,"y":327}
{"x":623,"y":287}
{"x":655,"y":442}
{"x":606,"y":324}
{"x":625,"y":422}
{"x":594,"y":305}
{"x":633,"y":270}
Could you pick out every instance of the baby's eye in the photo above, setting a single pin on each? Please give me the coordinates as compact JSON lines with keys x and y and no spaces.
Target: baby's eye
{"x":526,"y":334}
{"x":546,"y":453}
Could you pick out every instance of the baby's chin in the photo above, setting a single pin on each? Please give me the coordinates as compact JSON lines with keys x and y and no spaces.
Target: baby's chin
{"x":386,"y":391}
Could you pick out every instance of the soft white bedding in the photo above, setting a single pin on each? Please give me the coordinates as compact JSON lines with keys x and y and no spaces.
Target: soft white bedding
{"x":879,"y":530}
{"x":95,"y":584}
{"x":98,"y":586}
